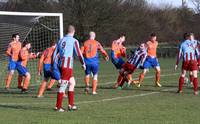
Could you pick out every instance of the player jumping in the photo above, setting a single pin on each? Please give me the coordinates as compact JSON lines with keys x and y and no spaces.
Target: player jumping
{"x":189,"y":52}
{"x":91,"y":57}
{"x":66,"y":47}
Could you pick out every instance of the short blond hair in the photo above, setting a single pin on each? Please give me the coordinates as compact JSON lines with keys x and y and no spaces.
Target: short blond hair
{"x":71,"y":29}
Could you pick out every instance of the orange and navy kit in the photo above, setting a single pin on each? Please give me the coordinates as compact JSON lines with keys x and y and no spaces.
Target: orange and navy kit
{"x":46,"y":62}
{"x":91,"y":57}
{"x":151,"y":60}
{"x":13,"y":53}
{"x":118,"y":51}
{"x":24,"y":56}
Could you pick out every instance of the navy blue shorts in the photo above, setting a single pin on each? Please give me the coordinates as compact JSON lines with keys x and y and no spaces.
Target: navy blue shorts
{"x":92,"y":68}
{"x":151,"y":62}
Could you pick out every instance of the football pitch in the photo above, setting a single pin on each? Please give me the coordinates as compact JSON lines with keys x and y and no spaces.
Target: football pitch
{"x":145,"y":105}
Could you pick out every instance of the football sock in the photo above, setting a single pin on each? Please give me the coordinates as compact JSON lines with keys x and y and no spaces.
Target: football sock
{"x":42,"y":88}
{"x":181,"y":82}
{"x":122,"y":82}
{"x":87,"y":80}
{"x":195,"y":83}
{"x":119,"y":80}
{"x":51,"y":83}
{"x":20,"y":78}
{"x":8,"y":80}
{"x":157,"y":76}
{"x":26,"y":83}
{"x":94,"y":85}
{"x":59,"y":100}
{"x":141,"y":77}
{"x":71,"y":98}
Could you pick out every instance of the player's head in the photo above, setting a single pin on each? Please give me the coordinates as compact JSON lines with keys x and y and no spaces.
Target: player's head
{"x":27,"y":44}
{"x":122,"y":37}
{"x":187,"y":36}
{"x":153,"y":37}
{"x":142,"y":46}
{"x":15,"y":37}
{"x":53,"y":43}
{"x":92,"y":35}
{"x":71,"y":30}
{"x":192,"y":37}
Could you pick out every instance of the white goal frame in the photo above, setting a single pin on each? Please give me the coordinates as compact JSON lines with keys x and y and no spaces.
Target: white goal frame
{"x":60,"y":15}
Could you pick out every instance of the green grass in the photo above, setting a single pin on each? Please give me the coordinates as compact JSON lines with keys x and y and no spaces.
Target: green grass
{"x":145,"y":105}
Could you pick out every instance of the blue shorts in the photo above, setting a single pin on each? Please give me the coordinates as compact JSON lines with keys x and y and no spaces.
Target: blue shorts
{"x":12,"y":65}
{"x":151,"y":62}
{"x":47,"y":70}
{"x":21,"y":70}
{"x":118,"y":62}
{"x":55,"y":73}
{"x":92,"y":68}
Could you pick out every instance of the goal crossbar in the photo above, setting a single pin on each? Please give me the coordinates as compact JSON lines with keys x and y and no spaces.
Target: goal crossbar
{"x":60,"y":15}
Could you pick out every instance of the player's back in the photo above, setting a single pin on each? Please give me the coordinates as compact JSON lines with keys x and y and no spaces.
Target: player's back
{"x":152,"y":48}
{"x":66,"y":48}
{"x":117,"y":49}
{"x":48,"y":55}
{"x":188,"y":49}
{"x":138,"y":56}
{"x":90,"y":49}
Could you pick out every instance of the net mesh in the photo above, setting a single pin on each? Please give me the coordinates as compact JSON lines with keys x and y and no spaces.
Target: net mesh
{"x":37,"y":30}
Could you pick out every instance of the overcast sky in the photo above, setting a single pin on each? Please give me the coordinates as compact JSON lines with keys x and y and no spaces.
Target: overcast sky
{"x":176,"y":3}
{"x":160,"y":3}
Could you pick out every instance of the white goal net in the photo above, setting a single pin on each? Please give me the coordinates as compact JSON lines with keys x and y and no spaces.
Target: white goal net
{"x":38,"y":28}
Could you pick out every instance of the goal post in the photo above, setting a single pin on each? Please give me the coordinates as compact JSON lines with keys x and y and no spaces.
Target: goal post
{"x":38,"y":28}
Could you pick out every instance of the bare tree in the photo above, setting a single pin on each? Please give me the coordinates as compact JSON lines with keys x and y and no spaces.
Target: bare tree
{"x":196,"y":3}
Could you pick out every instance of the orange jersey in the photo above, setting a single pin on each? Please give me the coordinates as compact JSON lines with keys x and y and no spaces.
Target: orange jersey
{"x":91,"y":47}
{"x":13,"y":50}
{"x":46,"y":57}
{"x":151,"y":48}
{"x":118,"y":49}
{"x":24,"y":56}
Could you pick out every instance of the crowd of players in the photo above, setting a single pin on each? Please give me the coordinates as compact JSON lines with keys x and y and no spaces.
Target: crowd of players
{"x":56,"y":63}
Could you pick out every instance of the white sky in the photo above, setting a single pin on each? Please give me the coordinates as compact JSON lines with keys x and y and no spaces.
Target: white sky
{"x":175,"y":3}
{"x":160,"y":3}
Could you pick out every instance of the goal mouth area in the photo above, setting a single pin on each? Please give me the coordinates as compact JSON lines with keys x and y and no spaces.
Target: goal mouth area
{"x":37,"y":28}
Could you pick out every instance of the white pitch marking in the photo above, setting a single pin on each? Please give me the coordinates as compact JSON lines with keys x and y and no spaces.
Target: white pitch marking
{"x":102,"y":100}
{"x":95,"y":101}
{"x":125,"y":97}
{"x":118,"y":98}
